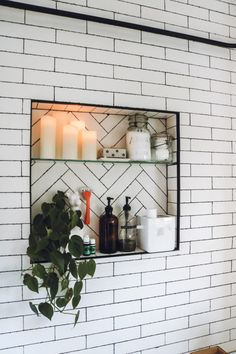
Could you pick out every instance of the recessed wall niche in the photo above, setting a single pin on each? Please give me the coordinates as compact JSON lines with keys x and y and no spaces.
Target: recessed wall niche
{"x":150,"y":184}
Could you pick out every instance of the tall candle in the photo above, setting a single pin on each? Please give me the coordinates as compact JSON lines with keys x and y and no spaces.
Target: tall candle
{"x":62,"y":120}
{"x":80,"y":126}
{"x":89,"y":145}
{"x":69,"y":147}
{"x":47,"y":137}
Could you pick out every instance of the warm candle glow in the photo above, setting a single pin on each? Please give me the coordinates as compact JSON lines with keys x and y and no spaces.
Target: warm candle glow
{"x":69,"y":137}
{"x":80,"y":126}
{"x":47,"y":137}
{"x":89,"y":145}
{"x":61,"y":121}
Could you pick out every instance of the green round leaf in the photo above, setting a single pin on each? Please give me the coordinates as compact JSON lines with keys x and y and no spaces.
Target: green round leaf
{"x":31,"y":283}
{"x":73,"y":268}
{"x":77,"y":288}
{"x":46,"y":310}
{"x":82,"y":269}
{"x":76,"y":246}
{"x":61,"y":302}
{"x":75,"y":301}
{"x":39,"y":271}
{"x":45,"y":207}
{"x":64,"y":283}
{"x":91,"y":267}
{"x":57,"y":258}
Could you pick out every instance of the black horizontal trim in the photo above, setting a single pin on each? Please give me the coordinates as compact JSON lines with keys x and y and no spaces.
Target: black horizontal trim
{"x":107,"y":21}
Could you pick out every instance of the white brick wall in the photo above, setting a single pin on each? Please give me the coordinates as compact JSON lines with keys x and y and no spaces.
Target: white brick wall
{"x":169,"y":303}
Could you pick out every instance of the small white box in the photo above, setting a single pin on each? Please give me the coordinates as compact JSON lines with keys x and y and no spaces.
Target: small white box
{"x":157,"y":234}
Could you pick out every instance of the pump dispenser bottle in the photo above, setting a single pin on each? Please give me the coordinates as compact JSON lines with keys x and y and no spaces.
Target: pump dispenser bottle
{"x":108,"y":230}
{"x":127,"y":229}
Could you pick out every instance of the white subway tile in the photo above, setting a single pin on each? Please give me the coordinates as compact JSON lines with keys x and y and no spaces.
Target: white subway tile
{"x":223,"y":134}
{"x":129,"y":267}
{"x":188,"y":333}
{"x":75,"y":95}
{"x":9,"y":263}
{"x":210,"y":145}
{"x":188,"y":309}
{"x":195,"y":208}
{"x":188,"y":285}
{"x":139,"y":49}
{"x":11,"y":324}
{"x":188,"y":106}
{"x":208,"y":317}
{"x":164,"y":91}
{"x":185,"y":57}
{"x":11,"y":44}
{"x":187,"y":81}
{"x":137,"y":319}
{"x":83,"y":68}
{"x":224,"y":231}
{"x":210,"y":269}
{"x":141,"y":292}
{"x":139,"y":101}
{"x":210,"y":73}
{"x":223,"y":64}
{"x":164,"y":326}
{"x":10,"y":200}
{"x":221,"y":279}
{"x":210,"y":293}
{"x":223,"y":255}
{"x":139,"y":344}
{"x":209,"y":97}
{"x":13,"y":247}
{"x":163,"y":65}
{"x":114,"y":58}
{"x":115,"y":336}
{"x":165,"y":275}
{"x":116,"y":282}
{"x":53,"y":79}
{"x":108,"y":31}
{"x":84,"y":40}
{"x":188,"y":10}
{"x":165,"y":301}
{"x":210,"y":121}
{"x":195,"y":157}
{"x":196,"y":183}
{"x":222,"y":18}
{"x":167,"y":349}
{"x":223,"y":207}
{"x":53,"y":346}
{"x":211,"y":220}
{"x":164,"y":16}
{"x":211,"y":245}
{"x":113,"y":310}
{"x":213,"y":171}
{"x":196,"y":234}
{"x":95,"y":83}
{"x":27,"y":31}
{"x":33,"y":336}
{"x":122,"y":72}
{"x":187,"y":260}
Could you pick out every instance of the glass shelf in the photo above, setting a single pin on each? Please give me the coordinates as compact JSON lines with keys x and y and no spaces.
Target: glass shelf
{"x":116,"y":254}
{"x":106,"y":161}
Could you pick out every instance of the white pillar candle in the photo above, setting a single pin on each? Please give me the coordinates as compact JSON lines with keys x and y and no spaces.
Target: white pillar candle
{"x":61,"y":120}
{"x":47,"y":137}
{"x":89,"y":145}
{"x":69,"y":147}
{"x":80,"y":126}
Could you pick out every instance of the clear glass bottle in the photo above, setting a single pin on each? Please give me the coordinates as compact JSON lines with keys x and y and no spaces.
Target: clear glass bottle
{"x":108,"y":230}
{"x":138,"y":142}
{"x":161,"y":147}
{"x":127,"y":229}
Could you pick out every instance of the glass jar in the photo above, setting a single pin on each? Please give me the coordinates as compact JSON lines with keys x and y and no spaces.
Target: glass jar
{"x":162,"y":147}
{"x":138,"y":138}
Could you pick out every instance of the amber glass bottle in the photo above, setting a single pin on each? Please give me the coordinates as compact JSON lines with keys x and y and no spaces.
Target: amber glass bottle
{"x":108,"y":230}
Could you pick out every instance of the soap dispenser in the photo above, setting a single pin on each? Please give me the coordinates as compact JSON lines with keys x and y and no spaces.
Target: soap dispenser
{"x":127,"y":229}
{"x":108,"y":230}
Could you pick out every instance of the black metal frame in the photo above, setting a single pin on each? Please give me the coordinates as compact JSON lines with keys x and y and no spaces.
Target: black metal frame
{"x":107,"y":21}
{"x":177,"y":114}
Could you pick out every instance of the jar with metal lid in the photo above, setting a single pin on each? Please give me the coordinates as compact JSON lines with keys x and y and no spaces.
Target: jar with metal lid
{"x":138,"y":138}
{"x":161,"y":144}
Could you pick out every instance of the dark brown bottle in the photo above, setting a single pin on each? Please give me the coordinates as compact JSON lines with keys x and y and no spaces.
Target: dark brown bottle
{"x":108,"y":230}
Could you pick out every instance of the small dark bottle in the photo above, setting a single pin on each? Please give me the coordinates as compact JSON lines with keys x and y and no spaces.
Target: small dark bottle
{"x":108,"y":230}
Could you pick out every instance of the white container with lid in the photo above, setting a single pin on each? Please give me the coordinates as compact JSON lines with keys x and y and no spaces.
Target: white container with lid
{"x":158,"y":233}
